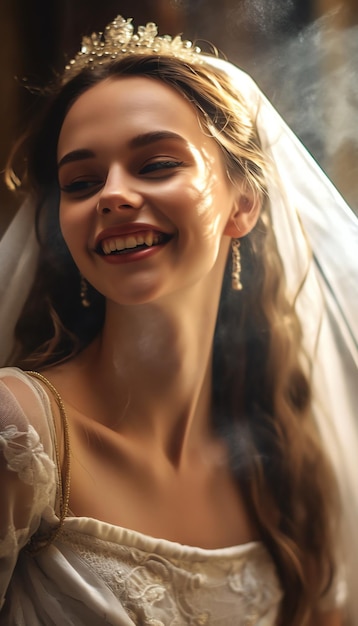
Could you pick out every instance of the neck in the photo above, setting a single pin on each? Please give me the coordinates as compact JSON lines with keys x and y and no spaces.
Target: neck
{"x":152,"y":366}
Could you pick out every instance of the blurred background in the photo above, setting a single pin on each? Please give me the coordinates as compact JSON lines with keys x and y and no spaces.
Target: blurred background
{"x":302,"y":53}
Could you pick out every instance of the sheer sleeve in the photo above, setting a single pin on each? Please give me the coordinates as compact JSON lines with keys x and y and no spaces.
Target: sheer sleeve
{"x":27,"y":468}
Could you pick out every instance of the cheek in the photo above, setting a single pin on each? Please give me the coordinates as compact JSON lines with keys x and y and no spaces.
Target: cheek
{"x":69,"y":234}
{"x":73,"y":235}
{"x":74,"y":225}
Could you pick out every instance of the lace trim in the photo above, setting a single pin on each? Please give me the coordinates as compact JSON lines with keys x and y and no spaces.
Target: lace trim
{"x":25,"y":455}
{"x":158,"y":591}
{"x":31,"y":518}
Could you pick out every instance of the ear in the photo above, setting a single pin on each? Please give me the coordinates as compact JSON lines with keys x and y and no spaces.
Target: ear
{"x":245,"y":212}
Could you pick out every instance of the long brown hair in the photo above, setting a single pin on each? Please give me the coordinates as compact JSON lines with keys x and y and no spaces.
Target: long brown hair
{"x":261,"y":396}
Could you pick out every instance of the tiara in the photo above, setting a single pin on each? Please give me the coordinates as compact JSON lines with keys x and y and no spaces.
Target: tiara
{"x":119,"y":39}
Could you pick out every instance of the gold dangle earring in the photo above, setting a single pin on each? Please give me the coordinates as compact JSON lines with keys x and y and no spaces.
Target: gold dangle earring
{"x":84,"y":293}
{"x":236,"y":265}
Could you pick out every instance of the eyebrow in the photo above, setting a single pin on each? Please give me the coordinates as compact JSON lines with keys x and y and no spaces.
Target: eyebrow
{"x":137,"y":142}
{"x":75,"y":155}
{"x":152,"y":137}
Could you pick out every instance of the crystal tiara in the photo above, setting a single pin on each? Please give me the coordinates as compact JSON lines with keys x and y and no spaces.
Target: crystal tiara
{"x":119,"y":39}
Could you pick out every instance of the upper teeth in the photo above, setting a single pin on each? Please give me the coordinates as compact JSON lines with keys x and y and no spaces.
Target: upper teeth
{"x":130,"y":241}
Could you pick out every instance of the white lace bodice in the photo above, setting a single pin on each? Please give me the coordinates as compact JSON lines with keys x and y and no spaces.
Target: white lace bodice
{"x":96,"y":573}
{"x":160,"y":582}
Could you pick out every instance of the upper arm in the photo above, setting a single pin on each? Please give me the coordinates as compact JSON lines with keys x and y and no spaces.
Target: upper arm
{"x":27,"y":472}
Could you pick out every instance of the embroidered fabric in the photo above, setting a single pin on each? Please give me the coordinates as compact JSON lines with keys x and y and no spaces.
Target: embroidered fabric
{"x":25,"y":455}
{"x":27,"y":471}
{"x":160,"y":582}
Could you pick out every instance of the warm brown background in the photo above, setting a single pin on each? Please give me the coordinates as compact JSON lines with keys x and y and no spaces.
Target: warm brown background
{"x":279,"y":42}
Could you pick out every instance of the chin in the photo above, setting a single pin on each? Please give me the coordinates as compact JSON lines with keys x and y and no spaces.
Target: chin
{"x":136,"y":295}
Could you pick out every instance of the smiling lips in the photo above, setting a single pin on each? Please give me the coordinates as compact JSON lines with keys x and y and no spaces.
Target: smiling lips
{"x":133,"y":242}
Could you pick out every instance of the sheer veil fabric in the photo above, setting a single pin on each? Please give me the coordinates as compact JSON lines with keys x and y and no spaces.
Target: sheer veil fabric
{"x":18,"y":258}
{"x":317,"y":236}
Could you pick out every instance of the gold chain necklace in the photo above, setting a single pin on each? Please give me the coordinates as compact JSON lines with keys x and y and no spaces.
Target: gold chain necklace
{"x":39,"y":541}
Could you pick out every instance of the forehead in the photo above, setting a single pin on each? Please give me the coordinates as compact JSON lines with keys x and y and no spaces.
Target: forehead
{"x":125,"y":106}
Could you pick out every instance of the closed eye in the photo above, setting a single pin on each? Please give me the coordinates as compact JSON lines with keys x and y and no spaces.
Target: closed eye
{"x":159,"y":167}
{"x":82,"y":186}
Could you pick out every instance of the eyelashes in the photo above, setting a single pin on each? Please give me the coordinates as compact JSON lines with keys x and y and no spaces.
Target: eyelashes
{"x":155,"y":170}
{"x":160,"y":165}
{"x":78,"y":186}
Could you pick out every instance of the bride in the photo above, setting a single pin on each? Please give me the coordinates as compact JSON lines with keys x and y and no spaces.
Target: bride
{"x":164,"y":447}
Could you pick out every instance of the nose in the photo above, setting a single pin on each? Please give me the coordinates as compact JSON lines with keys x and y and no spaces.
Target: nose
{"x":118,"y":192}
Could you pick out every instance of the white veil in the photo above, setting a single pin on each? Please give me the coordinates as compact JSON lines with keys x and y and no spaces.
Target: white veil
{"x":18,"y":258}
{"x":317,"y":236}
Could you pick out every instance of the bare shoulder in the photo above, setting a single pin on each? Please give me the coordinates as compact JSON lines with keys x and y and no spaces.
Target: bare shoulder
{"x":75,"y":381}
{"x":63,"y":375}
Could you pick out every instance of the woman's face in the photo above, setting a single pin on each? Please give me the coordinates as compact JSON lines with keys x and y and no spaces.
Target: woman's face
{"x":145,"y":202}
